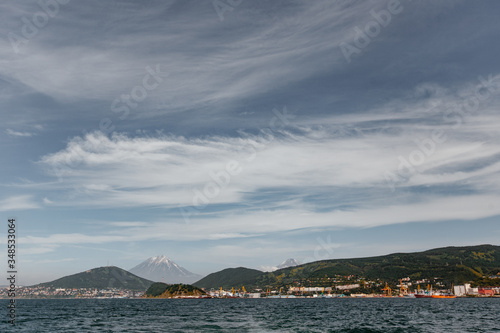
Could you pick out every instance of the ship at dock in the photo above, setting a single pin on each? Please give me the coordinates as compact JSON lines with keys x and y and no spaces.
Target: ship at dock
{"x":429,"y":293}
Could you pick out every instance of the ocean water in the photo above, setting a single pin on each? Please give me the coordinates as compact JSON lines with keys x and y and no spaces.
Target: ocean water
{"x":255,"y":315}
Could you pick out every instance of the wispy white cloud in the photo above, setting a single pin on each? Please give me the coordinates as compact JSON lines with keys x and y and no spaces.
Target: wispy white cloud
{"x":46,"y":248}
{"x":265,"y":222}
{"x":17,"y":133}
{"x":128,"y":224}
{"x":268,"y":56}
{"x":73,"y":238}
{"x":50,"y":261}
{"x":310,"y":160}
{"x":18,"y":202}
{"x":341,"y":152}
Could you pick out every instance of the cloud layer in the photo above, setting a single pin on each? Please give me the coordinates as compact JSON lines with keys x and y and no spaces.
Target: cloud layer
{"x":401,"y":165}
{"x":131,"y":129}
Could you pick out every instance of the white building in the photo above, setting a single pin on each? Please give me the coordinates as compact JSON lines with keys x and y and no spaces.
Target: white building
{"x":459,"y":290}
{"x":465,"y":290}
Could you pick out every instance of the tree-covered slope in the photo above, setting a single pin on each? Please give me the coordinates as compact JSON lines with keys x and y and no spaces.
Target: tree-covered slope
{"x":101,"y":278}
{"x":163,"y":290}
{"x":230,"y":277}
{"x":451,"y":264}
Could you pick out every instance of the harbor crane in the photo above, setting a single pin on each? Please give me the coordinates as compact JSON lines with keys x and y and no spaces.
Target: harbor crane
{"x":387,"y":290}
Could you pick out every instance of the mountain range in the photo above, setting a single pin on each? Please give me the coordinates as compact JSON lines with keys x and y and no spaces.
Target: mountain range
{"x":455,"y":265}
{"x":162,"y":269}
{"x":451,"y":264}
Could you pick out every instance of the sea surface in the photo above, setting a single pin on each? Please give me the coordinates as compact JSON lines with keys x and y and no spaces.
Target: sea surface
{"x":255,"y":315}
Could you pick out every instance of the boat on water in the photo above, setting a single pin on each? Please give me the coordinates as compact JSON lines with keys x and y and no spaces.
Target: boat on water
{"x":443,"y":296}
{"x":431,"y":294}
{"x":434,"y":296}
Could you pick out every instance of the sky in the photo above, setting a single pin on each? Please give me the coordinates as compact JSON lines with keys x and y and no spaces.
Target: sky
{"x":235,"y":133}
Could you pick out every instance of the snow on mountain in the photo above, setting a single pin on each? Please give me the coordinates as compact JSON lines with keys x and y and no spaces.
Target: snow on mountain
{"x":287,"y":263}
{"x":162,"y":269}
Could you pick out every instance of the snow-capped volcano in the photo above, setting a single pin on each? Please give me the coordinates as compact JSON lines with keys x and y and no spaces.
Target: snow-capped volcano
{"x":289,"y":263}
{"x":162,"y":269}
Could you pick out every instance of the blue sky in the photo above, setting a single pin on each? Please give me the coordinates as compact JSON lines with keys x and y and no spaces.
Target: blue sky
{"x":242,"y":133}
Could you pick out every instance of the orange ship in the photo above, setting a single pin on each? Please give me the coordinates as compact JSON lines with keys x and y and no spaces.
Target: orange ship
{"x":443,"y":296}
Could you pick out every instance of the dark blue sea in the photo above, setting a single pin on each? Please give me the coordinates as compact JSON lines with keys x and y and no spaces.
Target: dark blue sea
{"x":255,"y":315}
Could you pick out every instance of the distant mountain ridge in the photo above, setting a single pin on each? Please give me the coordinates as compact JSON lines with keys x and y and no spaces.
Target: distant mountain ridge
{"x":162,"y":269}
{"x":452,"y":264}
{"x":101,"y":278}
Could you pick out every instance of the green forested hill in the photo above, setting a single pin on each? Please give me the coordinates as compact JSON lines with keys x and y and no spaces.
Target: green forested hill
{"x":163,"y":290}
{"x":230,"y":277}
{"x":451,"y":264}
{"x":101,"y":278}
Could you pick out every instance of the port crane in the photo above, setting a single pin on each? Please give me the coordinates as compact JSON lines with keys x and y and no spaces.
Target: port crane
{"x":387,"y":290}
{"x":403,"y":290}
